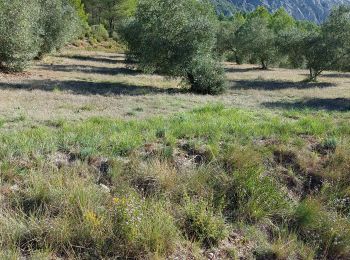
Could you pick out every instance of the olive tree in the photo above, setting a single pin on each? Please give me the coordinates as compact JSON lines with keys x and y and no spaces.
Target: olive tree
{"x":262,"y":35}
{"x":281,"y":21}
{"x":292,"y":42}
{"x":330,"y":48}
{"x":258,"y":40}
{"x":336,"y":31}
{"x":19,"y":42}
{"x":176,"y":38}
{"x":59,"y":23}
{"x":32,"y":28}
{"x":227,"y":41}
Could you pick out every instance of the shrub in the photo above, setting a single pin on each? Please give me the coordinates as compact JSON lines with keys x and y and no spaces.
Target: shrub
{"x":206,"y":76}
{"x":19,"y":42}
{"x":327,"y":230}
{"x":99,"y":33}
{"x":201,"y":223}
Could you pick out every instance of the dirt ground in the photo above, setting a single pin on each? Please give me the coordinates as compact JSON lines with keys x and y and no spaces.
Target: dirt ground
{"x":78,"y":84}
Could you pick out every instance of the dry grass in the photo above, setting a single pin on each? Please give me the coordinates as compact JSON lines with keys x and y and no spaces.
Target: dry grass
{"x":78,"y":84}
{"x":214,"y":183}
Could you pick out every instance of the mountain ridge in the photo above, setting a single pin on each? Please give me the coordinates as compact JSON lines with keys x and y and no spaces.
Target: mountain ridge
{"x":312,"y":10}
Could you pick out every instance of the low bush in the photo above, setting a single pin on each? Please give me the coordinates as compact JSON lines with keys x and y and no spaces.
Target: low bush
{"x":99,"y":32}
{"x":201,"y":223}
{"x":327,"y":230}
{"x":206,"y":76}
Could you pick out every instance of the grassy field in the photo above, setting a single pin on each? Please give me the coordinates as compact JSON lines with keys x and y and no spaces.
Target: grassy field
{"x":80,"y":84}
{"x":99,"y":161}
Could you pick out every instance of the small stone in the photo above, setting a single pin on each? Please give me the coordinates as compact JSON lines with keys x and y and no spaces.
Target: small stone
{"x":105,"y":188}
{"x":61,"y":159}
{"x":14,"y":188}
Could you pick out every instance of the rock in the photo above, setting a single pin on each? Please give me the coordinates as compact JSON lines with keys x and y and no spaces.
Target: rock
{"x":14,"y":188}
{"x":105,"y":188}
{"x":62,"y":159}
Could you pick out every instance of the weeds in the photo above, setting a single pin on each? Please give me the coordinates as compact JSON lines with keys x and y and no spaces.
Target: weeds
{"x":160,"y":187}
{"x":202,"y":224}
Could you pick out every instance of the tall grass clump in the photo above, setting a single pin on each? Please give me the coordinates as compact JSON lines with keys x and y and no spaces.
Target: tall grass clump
{"x":254,"y":197}
{"x":214,"y":181}
{"x":327,"y":230}
{"x":62,"y":213}
{"x":200,"y":222}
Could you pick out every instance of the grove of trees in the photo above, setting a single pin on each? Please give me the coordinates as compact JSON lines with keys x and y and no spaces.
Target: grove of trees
{"x":188,"y":44}
{"x":30,"y":29}
{"x":176,"y":38}
{"x":109,"y":13}
{"x":265,"y":38}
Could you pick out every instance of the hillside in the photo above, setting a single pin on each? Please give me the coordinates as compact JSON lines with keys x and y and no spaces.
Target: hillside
{"x":313,"y":10}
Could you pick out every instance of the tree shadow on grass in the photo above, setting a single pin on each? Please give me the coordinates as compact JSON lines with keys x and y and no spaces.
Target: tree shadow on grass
{"x":89,"y":69}
{"x":336,"y":75}
{"x":336,"y":104}
{"x":277,"y":85}
{"x":90,"y":88}
{"x":241,"y":70}
{"x":102,"y":59}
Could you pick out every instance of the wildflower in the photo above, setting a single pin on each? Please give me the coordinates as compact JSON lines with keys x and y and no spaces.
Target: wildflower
{"x":92,"y":218}
{"x":120,"y":201}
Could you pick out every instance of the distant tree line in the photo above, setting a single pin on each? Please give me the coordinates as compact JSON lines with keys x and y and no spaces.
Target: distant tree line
{"x":109,"y":13}
{"x":184,"y":38}
{"x":30,"y":29}
{"x":176,"y":38}
{"x":278,"y":39}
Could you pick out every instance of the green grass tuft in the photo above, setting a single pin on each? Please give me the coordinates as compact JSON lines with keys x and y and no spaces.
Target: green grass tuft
{"x":183,"y":185}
